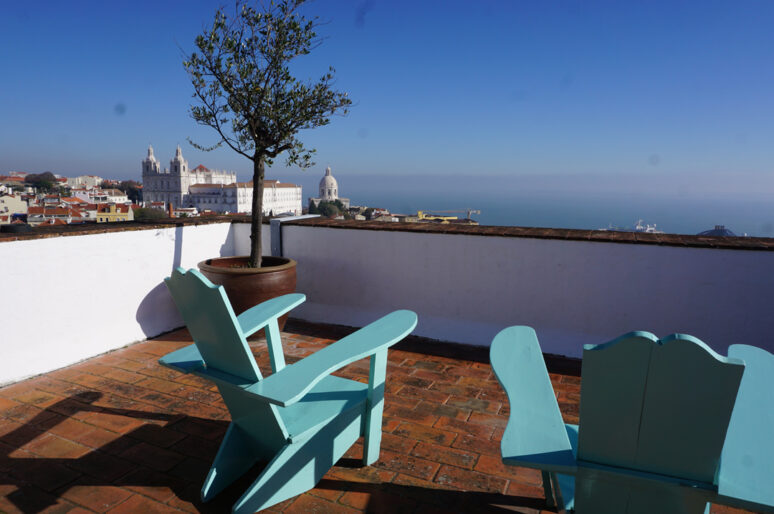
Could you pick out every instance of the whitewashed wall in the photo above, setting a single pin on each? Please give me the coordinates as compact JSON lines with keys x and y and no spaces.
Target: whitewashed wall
{"x":65,"y":299}
{"x":467,"y":288}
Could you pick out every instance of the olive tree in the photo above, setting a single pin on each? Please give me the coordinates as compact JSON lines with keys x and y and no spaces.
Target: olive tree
{"x":245,"y":90}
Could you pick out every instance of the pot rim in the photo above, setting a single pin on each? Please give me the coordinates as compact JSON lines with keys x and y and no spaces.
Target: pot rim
{"x":205,"y":266}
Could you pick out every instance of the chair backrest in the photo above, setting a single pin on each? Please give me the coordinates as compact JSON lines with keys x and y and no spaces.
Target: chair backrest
{"x":660,"y":406}
{"x":214,"y":328}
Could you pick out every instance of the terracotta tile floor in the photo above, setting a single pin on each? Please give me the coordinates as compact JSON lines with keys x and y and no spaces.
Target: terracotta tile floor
{"x":119,"y":433}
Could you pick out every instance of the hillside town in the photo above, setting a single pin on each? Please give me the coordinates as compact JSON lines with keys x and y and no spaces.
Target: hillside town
{"x":31,"y":200}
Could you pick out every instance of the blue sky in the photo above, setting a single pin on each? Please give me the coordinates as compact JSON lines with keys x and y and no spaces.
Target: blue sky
{"x":486,"y":88}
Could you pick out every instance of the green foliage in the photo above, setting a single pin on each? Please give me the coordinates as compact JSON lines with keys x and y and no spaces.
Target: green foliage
{"x":145,"y":214}
{"x":244,"y":89}
{"x":330,"y":209}
{"x":369,"y":213}
{"x":132,"y":189}
{"x":42,"y":181}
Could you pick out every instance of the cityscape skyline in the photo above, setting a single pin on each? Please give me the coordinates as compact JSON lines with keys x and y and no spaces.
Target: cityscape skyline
{"x":441,"y":88}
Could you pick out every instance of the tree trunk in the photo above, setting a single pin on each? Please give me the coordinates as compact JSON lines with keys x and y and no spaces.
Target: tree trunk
{"x":257,"y":215}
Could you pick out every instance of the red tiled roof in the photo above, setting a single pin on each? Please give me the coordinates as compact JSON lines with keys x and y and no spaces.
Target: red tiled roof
{"x":54,"y":221}
{"x":74,"y":200}
{"x":276,"y":183}
{"x":49,"y":211}
{"x":200,"y":167}
{"x":120,"y":208}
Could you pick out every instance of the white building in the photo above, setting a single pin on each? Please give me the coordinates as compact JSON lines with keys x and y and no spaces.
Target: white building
{"x":278,"y":198}
{"x":211,"y":190}
{"x":10,"y":205}
{"x":97,"y":195}
{"x":281,"y":198}
{"x":87,"y":181}
{"x":329,"y":190}
{"x":116,"y":196}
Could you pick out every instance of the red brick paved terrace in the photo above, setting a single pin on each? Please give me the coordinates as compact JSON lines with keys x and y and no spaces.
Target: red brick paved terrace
{"x":119,"y":433}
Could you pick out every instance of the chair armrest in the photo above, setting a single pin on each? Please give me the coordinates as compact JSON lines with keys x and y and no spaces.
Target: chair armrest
{"x":257,"y":317}
{"x":535,"y":436}
{"x":291,"y":383}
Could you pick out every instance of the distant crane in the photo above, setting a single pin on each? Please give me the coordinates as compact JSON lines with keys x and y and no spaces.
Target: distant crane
{"x":422,"y":214}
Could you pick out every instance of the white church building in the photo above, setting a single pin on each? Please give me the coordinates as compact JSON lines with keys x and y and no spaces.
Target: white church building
{"x":213,"y":190}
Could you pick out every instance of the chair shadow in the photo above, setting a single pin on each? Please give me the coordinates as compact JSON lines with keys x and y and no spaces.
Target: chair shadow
{"x":127,"y":461}
{"x":390,"y":498}
{"x":109,"y":465}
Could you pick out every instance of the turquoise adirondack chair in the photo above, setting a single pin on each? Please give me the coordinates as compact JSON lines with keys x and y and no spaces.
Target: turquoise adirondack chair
{"x":666,"y":426}
{"x":301,"y":418}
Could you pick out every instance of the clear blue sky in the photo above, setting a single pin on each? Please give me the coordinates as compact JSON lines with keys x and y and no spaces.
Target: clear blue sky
{"x":440,"y":87}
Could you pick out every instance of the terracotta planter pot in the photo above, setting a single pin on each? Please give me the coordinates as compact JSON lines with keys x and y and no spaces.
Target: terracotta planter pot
{"x":247,"y":287}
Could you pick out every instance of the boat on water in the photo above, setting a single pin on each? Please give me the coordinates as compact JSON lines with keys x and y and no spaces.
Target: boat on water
{"x":639,"y":227}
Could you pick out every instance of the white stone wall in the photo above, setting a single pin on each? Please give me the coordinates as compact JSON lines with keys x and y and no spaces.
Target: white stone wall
{"x":466,"y":288}
{"x":44,"y":331}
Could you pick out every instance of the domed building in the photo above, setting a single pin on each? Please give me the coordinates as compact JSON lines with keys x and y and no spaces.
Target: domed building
{"x":329,"y":190}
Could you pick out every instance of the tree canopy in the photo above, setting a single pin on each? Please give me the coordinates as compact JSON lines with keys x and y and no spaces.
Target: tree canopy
{"x":329,"y":209}
{"x":132,"y":189}
{"x":45,"y":181}
{"x":245,"y":91}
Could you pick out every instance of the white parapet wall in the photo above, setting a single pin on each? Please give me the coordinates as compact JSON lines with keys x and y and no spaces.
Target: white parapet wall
{"x":465,"y":288}
{"x":68,"y":298}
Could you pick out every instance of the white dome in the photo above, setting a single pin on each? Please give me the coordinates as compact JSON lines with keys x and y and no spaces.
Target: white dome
{"x":329,"y":188}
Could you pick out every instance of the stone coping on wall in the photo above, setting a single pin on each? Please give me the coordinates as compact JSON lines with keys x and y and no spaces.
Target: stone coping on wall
{"x":602,"y":236}
{"x":42,"y":231}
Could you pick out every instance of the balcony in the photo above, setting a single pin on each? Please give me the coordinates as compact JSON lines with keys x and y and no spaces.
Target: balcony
{"x":101,"y":426}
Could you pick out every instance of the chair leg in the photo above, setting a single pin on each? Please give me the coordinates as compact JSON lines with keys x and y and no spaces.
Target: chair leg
{"x":548,"y":489}
{"x":234,"y":458}
{"x":374,"y":409}
{"x":299,"y":466}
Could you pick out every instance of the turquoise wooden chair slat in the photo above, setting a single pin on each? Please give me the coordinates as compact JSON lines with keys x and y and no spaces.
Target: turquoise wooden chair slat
{"x":300,"y":418}
{"x":537,"y":435}
{"x":645,"y":405}
{"x":656,"y":416}
{"x":746,"y":477}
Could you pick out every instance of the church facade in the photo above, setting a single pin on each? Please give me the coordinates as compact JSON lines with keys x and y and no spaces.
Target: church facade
{"x":212,"y":190}
{"x":172,"y":185}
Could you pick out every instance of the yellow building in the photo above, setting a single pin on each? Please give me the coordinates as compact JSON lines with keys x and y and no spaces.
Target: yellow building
{"x":112,"y":213}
